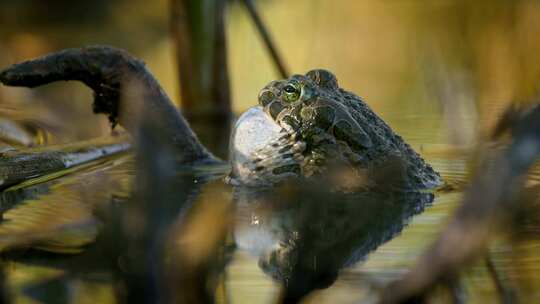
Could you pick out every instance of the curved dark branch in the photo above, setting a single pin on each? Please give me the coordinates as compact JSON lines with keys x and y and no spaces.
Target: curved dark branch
{"x":106,"y":71}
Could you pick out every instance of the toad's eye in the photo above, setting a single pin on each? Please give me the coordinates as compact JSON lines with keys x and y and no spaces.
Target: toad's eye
{"x":292,"y":92}
{"x":289,"y":88}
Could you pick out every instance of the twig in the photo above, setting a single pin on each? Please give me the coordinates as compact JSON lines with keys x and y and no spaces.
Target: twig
{"x":506,"y":295}
{"x":265,"y":35}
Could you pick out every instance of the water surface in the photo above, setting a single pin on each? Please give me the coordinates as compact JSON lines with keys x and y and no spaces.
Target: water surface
{"x":348,"y":246}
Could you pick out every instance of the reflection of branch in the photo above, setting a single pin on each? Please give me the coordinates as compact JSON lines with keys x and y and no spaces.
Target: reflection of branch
{"x":265,"y":35}
{"x":4,"y":294}
{"x":198,"y":253}
{"x":489,"y":202}
{"x":105,"y":70}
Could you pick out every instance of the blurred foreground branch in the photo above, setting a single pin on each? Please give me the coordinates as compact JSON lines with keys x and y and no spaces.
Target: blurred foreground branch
{"x":169,"y":255}
{"x":489,"y":203}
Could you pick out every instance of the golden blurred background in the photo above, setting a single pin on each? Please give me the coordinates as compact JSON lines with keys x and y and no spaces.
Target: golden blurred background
{"x":403,"y":56}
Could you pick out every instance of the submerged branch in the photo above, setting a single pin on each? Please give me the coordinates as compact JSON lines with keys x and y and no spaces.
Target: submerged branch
{"x":22,"y":165}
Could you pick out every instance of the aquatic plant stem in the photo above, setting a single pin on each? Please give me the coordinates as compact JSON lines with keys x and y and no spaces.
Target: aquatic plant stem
{"x":198,"y":32}
{"x":267,"y":39}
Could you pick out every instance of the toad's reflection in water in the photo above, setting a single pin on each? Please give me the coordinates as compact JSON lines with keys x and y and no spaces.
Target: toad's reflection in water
{"x":304,"y":234}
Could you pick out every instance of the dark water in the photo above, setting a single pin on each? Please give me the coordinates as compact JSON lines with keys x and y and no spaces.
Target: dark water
{"x":342,"y":247}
